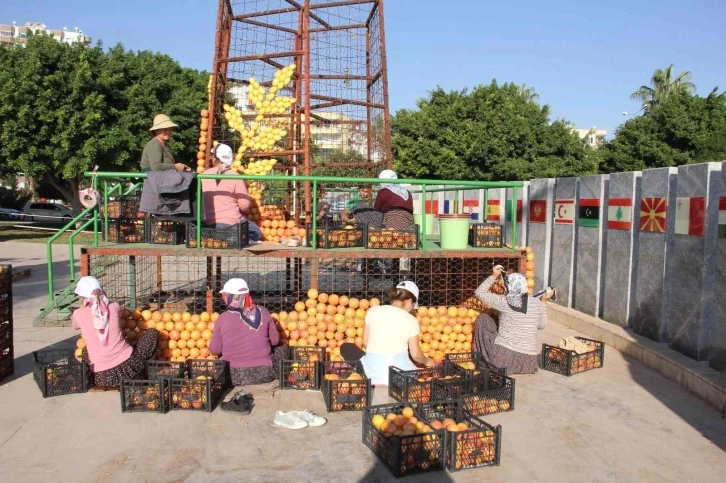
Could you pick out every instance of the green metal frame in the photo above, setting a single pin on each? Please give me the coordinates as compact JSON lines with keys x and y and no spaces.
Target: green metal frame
{"x":49,"y":248}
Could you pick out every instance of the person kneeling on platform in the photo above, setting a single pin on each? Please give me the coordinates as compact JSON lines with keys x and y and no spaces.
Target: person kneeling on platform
{"x":246,"y":336}
{"x":226,"y":201}
{"x":107,"y":353}
{"x":514,"y":345}
{"x":390,"y":336}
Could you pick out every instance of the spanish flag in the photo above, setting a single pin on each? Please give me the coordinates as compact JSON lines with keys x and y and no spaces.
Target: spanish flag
{"x":493,"y":210}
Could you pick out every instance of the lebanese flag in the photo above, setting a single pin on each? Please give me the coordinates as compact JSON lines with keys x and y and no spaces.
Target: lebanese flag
{"x":690,"y":216}
{"x":564,"y":212}
{"x":538,"y":211}
{"x":620,"y":214}
{"x":493,"y":210}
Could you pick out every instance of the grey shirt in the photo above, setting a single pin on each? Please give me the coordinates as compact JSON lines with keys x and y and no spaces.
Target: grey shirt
{"x":156,"y":157}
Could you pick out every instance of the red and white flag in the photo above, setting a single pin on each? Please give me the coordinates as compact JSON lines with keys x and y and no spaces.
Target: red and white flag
{"x":564,"y":212}
{"x":620,"y":213}
{"x":690,"y":216}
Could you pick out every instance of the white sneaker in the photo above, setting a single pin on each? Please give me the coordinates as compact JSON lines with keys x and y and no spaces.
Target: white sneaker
{"x":289,"y":421}
{"x":309,"y":417}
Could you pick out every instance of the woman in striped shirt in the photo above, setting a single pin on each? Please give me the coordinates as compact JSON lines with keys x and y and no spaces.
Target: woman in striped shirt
{"x":514,"y":346}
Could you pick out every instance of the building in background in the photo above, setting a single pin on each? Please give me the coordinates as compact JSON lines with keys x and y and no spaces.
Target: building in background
{"x":594,"y":137}
{"x":18,"y":35}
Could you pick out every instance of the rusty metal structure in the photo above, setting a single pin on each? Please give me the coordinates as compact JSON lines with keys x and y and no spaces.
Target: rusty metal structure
{"x":339,"y":123}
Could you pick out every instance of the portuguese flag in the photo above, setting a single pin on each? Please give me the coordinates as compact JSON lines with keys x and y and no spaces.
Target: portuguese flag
{"x":589,"y":213}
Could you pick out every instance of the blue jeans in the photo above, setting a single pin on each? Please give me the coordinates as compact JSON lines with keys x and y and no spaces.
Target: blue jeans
{"x":255,"y":232}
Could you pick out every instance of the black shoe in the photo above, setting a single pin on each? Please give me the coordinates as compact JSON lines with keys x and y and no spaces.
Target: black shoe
{"x":240,"y":403}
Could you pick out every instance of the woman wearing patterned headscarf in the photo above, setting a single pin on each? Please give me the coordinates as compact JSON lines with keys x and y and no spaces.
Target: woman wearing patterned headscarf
{"x":107,"y":353}
{"x":395,"y":202}
{"x":514,"y":345}
{"x":245,"y":335}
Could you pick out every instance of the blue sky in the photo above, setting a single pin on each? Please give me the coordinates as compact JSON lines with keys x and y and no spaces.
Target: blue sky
{"x":584,"y":59}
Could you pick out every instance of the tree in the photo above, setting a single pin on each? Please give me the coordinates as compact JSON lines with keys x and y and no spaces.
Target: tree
{"x":66,"y":108}
{"x":662,"y":85}
{"x":682,"y":129}
{"x":493,"y":133}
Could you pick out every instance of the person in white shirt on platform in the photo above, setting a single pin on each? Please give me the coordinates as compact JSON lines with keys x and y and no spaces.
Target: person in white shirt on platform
{"x":390,"y":336}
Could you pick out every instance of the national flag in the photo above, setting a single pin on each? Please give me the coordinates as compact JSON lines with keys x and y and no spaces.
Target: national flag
{"x":432,"y":207}
{"x":589,"y":213}
{"x":690,"y":216}
{"x":564,"y":212}
{"x":519,"y":211}
{"x":538,"y":211}
{"x":493,"y":210}
{"x":722,"y":217}
{"x":620,"y":214}
{"x":653,"y":214}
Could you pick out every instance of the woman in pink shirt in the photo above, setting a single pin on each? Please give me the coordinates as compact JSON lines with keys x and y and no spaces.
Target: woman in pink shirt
{"x":246,"y":336}
{"x":226,"y":201}
{"x":107,"y":353}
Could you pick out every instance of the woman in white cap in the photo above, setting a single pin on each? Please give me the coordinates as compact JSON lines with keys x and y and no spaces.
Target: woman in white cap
{"x":107,"y":353}
{"x":390,"y":336}
{"x":395,"y":202}
{"x":226,"y":201}
{"x":156,"y":155}
{"x":245,"y":335}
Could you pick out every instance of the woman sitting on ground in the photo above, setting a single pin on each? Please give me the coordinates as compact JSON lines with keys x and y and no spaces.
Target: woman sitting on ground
{"x":514,"y":345}
{"x":390,"y":336}
{"x":107,"y":353}
{"x":246,"y":336}
{"x":395,"y":202}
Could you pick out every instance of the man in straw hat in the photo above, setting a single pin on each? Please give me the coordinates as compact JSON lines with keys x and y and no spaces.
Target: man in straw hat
{"x":156,"y":155}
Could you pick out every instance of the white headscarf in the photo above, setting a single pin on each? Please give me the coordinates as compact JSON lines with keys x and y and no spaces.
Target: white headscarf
{"x":517,"y":292}
{"x":224,"y":154}
{"x":90,"y":288}
{"x":395,"y":188}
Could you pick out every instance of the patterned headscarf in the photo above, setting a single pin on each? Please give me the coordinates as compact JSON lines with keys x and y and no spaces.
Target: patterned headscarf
{"x":517,"y":296}
{"x":395,"y":188}
{"x":243,"y":306}
{"x":94,"y":297}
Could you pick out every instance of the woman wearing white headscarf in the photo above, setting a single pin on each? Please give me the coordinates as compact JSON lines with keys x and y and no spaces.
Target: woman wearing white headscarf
{"x":395,"y":202}
{"x":107,"y":353}
{"x":514,"y":345}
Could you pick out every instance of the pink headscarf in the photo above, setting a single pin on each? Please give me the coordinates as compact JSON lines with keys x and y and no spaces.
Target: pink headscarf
{"x":95,"y":298}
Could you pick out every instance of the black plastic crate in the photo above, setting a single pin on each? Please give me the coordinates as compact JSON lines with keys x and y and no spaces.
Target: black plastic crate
{"x":235,"y":237}
{"x":125,"y":230}
{"x":6,"y":279}
{"x":6,"y":308}
{"x":144,"y":396}
{"x":204,"y":388}
{"x":475,"y":362}
{"x":165,"y":369}
{"x":486,"y":235}
{"x":487,"y":394}
{"x":403,"y":455}
{"x":7,"y":360}
{"x":303,"y":370}
{"x":57,"y":372}
{"x":414,"y":386}
{"x":347,"y":235}
{"x":389,"y":239}
{"x":477,"y":445}
{"x":124,"y":207}
{"x":160,"y":232}
{"x":568,"y":363}
{"x":341,"y":393}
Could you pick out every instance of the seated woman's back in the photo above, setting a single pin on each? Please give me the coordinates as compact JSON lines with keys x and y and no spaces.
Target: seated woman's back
{"x":389,"y":330}
{"x":240,"y":343}
{"x":115,"y":349}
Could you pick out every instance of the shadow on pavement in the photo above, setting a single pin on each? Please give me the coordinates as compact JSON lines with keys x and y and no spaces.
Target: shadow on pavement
{"x":380,"y":474}
{"x":24,"y":364}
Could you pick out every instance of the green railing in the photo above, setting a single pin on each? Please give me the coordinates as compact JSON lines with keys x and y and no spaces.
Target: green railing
{"x":423,"y":183}
{"x":71,"y":260}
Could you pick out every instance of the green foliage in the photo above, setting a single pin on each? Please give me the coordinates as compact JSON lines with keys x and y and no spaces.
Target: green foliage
{"x":13,"y":198}
{"x":66,"y":108}
{"x":497,"y":133}
{"x":663,"y":85}
{"x":682,"y":129}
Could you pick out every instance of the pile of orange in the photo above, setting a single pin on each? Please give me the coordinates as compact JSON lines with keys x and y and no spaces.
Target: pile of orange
{"x":445,"y":330}
{"x":202,"y":153}
{"x":277,"y":231}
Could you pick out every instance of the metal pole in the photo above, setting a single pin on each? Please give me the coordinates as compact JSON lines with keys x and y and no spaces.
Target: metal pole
{"x":70,"y":248}
{"x":486,"y":206}
{"x":314,"y":234}
{"x":95,"y":215}
{"x":199,"y":213}
{"x":132,"y":282}
{"x":105,"y":210}
{"x":423,"y":217}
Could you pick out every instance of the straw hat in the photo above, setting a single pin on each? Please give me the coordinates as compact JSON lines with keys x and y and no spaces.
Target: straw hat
{"x":162,"y":121}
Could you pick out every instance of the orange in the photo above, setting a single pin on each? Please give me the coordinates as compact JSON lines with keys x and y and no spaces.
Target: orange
{"x":322,"y":343}
{"x":293,"y":316}
{"x":294,"y":335}
{"x":185,"y":352}
{"x":190,"y":326}
{"x":159,"y":326}
{"x":179,"y":326}
{"x":176,"y":352}
{"x":360,"y":314}
{"x":340,"y":309}
{"x":399,"y":421}
{"x":354,"y":303}
{"x":460,"y":338}
{"x":438,"y":358}
{"x":292,"y":325}
{"x":457,"y":329}
{"x":375,"y":302}
{"x":343,"y":300}
{"x":350,"y":313}
{"x":407,"y":413}
{"x":204,"y":352}
{"x":311,"y":303}
{"x":172,"y":344}
{"x":312,"y":340}
{"x":303,"y":316}
{"x":321,"y":308}
{"x":181,"y":343}
{"x":166,"y":317}
{"x":312,"y":293}
{"x":312,"y":312}
{"x":432,"y":312}
{"x":176,"y":317}
{"x":350,"y":332}
{"x":146,"y":314}
{"x":462,"y":311}
{"x":201,"y":326}
{"x":205,"y":317}
{"x":323,"y":298}
{"x":185,"y":335}
{"x":333,"y":299}
{"x":201,"y":343}
{"x":331,"y":310}
{"x":157,"y":316}
{"x":193,"y":353}
{"x":215,"y":316}
{"x":282,"y":316}
{"x":300,"y":306}
{"x":169,"y":326}
{"x":195,"y":319}
{"x":186,"y":317}
{"x":174,"y":334}
{"x":364,"y":304}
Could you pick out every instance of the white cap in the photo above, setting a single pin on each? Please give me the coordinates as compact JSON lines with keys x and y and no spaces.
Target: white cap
{"x":411,"y":287}
{"x":224,"y":154}
{"x":87,"y":285}
{"x":388,"y":174}
{"x":235,"y":286}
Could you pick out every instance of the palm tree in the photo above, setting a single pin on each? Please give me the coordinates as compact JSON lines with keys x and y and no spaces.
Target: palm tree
{"x":662,"y":85}
{"x":528,"y":93}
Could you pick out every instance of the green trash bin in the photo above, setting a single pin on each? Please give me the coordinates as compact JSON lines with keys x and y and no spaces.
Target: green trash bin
{"x":418,"y":219}
{"x":454,"y":231}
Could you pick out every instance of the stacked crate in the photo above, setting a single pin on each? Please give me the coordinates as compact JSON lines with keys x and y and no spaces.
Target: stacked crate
{"x":6,"y":321}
